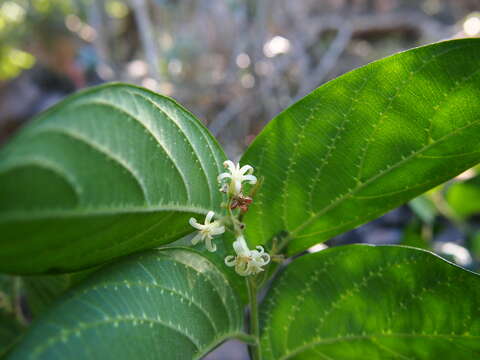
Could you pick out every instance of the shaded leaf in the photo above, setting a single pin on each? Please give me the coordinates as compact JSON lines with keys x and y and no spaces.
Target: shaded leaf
{"x":384,"y":302}
{"x":365,"y":143}
{"x":42,"y":290}
{"x":169,"y":304}
{"x":109,"y":171}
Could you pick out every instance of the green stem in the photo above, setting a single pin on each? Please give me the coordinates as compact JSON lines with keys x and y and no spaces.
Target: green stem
{"x":254,"y":320}
{"x":236,"y":226}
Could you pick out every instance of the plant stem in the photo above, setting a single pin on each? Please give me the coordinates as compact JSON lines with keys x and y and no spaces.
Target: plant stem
{"x":254,"y":323}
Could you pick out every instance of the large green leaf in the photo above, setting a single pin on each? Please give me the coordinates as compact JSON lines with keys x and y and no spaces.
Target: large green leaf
{"x":161,"y":304}
{"x":365,"y":143}
{"x":109,"y":171}
{"x":365,"y":302}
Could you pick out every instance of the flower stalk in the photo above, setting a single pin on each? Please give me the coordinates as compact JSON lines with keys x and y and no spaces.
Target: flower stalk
{"x":254,"y":318}
{"x":247,"y":262}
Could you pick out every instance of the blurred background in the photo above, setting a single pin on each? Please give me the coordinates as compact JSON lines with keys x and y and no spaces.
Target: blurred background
{"x":236,"y":64}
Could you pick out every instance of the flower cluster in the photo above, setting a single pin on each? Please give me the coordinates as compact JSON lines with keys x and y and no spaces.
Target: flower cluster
{"x":246,"y":261}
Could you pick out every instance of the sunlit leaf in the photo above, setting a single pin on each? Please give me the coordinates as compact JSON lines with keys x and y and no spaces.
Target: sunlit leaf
{"x":365,"y":302}
{"x":365,"y":143}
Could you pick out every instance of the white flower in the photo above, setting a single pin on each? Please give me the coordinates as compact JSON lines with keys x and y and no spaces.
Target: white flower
{"x":207,"y":231}
{"x":247,"y":262}
{"x":237,"y":175}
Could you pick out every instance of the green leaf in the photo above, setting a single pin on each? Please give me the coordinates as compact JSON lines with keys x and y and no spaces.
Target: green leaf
{"x":385,"y":302}
{"x":464,"y":197}
{"x":109,"y":171}
{"x":169,"y":304}
{"x":365,"y":143}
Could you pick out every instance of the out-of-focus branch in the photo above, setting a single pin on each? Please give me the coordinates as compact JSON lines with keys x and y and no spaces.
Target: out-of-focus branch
{"x":228,"y":114}
{"x":328,"y":61}
{"x":426,"y":26}
{"x":96,"y":19}
{"x":142,"y":17}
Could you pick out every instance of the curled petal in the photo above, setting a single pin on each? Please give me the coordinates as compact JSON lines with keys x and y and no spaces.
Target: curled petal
{"x":230,"y":260}
{"x":260,"y":249}
{"x":266,"y":258}
{"x":250,"y":178}
{"x":246,"y":168}
{"x":229,"y":165}
{"x":193,"y":222}
{"x":209,"y":217}
{"x":210,"y":245}
{"x":224,"y":176}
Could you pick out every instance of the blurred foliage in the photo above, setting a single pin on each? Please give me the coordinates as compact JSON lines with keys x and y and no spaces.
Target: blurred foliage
{"x":23,"y":25}
{"x":464,"y":197}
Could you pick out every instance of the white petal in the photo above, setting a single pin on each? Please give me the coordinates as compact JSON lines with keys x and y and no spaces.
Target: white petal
{"x":209,"y":217}
{"x":223,"y":176}
{"x":240,"y":247}
{"x":260,"y":249}
{"x":210,"y":245}
{"x":250,"y":178}
{"x":246,"y":168}
{"x":197,"y":238}
{"x":193,"y":222}
{"x":230,"y":260}
{"x":229,"y":165}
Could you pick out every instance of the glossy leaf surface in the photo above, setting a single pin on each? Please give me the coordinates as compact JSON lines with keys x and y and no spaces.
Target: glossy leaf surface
{"x":385,"y":302}
{"x":161,"y":304}
{"x":109,"y":171}
{"x":365,"y":143}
